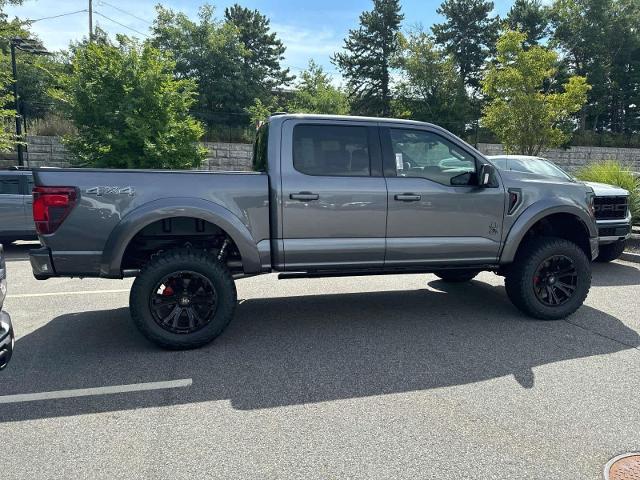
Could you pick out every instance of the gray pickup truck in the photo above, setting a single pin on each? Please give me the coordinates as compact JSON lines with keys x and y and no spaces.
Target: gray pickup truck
{"x":329,"y":196}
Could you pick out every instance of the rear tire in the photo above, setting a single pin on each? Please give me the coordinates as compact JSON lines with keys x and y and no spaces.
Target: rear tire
{"x":183,"y":299}
{"x":456,"y":276}
{"x":549,"y":279}
{"x":611,"y":251}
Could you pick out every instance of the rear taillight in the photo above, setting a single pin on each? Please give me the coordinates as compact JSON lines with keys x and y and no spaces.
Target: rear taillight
{"x":51,"y":205}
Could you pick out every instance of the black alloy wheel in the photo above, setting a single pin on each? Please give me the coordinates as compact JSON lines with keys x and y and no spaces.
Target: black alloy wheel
{"x":555,"y":280}
{"x":183,"y":302}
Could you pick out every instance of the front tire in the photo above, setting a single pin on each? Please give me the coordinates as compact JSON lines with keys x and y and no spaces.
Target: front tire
{"x":549,"y":279}
{"x":610,"y":251}
{"x":456,"y":276}
{"x":183,"y":299}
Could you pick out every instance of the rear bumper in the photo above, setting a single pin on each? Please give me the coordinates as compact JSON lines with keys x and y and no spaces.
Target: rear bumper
{"x":7,"y":339}
{"x":41,"y":263}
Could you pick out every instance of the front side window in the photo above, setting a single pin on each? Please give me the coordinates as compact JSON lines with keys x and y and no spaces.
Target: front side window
{"x":428,"y":155}
{"x":9,"y":185}
{"x":329,"y":150}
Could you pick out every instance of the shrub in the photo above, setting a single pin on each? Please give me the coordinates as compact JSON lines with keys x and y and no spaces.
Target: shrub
{"x":615,"y":173}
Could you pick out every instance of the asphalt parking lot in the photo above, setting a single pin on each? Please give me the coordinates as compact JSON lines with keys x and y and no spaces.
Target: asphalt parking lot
{"x":361,"y":377}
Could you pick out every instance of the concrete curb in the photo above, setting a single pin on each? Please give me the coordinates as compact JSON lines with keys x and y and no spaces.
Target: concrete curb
{"x":630,"y":257}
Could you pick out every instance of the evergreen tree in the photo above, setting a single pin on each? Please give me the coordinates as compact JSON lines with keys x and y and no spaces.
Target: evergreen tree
{"x":468,"y":35}
{"x":368,"y":56}
{"x":531,"y":18}
{"x":263,"y":51}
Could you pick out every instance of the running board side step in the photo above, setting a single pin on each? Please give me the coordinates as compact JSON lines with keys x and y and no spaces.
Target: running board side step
{"x":359,"y":273}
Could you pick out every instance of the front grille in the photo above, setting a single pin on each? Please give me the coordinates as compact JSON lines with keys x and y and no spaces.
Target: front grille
{"x":610,"y":208}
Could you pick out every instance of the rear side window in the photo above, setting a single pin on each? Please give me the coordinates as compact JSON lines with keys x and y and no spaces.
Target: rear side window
{"x":9,"y":185}
{"x":329,"y":150}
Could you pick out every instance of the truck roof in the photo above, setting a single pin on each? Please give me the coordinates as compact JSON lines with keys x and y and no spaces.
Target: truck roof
{"x":317,"y":116}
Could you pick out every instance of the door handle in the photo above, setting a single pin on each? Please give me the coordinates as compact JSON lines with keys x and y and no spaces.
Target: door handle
{"x":304,"y":196}
{"x":407,"y":197}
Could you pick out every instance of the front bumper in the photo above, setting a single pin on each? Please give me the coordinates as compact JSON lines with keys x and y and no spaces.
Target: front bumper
{"x":610,"y":231}
{"x":594,"y":243}
{"x":7,"y":339}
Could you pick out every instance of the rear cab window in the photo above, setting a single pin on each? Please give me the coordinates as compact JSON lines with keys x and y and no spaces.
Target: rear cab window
{"x":331,"y":150}
{"x":260,"y":149}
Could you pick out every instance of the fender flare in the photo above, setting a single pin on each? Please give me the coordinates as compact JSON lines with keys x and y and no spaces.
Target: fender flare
{"x":536,"y":212}
{"x":163,"y":208}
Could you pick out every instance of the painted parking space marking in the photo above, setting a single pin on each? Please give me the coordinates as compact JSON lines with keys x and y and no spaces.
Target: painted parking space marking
{"x":55,"y":294}
{"x":88,"y":392}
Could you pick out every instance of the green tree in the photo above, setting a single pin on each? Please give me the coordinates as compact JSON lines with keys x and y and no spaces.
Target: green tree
{"x":368,"y":56}
{"x":468,"y":35}
{"x":531,"y":18}
{"x":431,"y":88}
{"x":234,"y":60}
{"x":316,"y":94}
{"x":210,"y":53}
{"x":585,"y":32}
{"x":264,"y":52}
{"x":129,"y":110}
{"x":522,"y":111}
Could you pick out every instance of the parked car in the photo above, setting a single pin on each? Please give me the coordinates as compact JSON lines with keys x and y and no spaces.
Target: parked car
{"x":16,"y":220}
{"x":7,"y":339}
{"x":330,"y":196}
{"x":612,"y":212}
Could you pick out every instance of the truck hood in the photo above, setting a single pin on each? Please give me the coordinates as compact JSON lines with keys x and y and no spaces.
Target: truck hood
{"x":514,"y":176}
{"x":604,"y":190}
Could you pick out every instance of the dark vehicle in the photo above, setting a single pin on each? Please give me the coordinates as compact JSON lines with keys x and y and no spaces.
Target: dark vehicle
{"x":7,"y":339}
{"x":16,"y":221}
{"x":330,"y":196}
{"x":612,"y":212}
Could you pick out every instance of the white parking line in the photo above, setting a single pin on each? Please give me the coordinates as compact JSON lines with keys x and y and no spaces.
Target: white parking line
{"x":56,"y":294}
{"x":87,"y":392}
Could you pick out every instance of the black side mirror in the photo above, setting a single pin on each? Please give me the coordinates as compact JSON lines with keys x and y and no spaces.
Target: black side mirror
{"x":486,"y":174}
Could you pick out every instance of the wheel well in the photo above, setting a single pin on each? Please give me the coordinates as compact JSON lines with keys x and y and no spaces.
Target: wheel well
{"x":561,"y":225}
{"x":176,"y":232}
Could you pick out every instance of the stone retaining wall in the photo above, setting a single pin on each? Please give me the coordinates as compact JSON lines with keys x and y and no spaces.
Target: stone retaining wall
{"x":49,"y":151}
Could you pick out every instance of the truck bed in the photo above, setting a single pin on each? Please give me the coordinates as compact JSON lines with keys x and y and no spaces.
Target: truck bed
{"x":106,"y":198}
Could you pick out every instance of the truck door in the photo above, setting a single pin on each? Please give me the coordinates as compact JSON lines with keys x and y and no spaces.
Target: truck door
{"x":334,"y":196}
{"x":437,"y":213}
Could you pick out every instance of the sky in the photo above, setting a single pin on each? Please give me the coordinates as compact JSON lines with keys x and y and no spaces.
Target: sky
{"x":309,"y":29}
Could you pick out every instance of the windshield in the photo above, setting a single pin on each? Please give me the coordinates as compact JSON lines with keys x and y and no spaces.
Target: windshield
{"x":539,"y":166}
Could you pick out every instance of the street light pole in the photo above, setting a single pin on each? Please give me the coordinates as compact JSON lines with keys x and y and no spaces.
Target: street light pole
{"x":35,"y":48}
{"x":90,"y":21}
{"x":16,"y":102}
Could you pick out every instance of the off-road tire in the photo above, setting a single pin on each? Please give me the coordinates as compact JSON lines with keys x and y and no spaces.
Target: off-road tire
{"x":610,"y":251}
{"x":177,"y":260}
{"x":519,"y":280}
{"x":456,"y":276}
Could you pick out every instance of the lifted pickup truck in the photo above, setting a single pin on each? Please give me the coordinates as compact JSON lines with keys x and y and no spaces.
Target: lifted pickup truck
{"x":330,"y":196}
